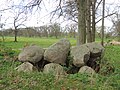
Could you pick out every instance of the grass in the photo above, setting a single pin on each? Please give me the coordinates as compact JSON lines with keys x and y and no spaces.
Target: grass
{"x":43,"y":42}
{"x":112,"y":55}
{"x":12,"y":80}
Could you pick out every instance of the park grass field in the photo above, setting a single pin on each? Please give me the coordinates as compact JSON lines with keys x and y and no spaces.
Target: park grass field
{"x":12,"y":80}
{"x":42,"y":42}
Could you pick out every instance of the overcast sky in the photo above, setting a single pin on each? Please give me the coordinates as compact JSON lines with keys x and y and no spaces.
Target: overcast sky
{"x":43,"y":17}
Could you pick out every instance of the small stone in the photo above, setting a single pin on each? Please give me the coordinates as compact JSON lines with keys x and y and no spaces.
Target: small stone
{"x":87,"y":70}
{"x":26,"y":67}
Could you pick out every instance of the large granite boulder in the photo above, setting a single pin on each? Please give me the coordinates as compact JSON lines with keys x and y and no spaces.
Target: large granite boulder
{"x":58,"y":52}
{"x":86,"y":70}
{"x":96,"y":53}
{"x":80,"y":54}
{"x":31,"y":54}
{"x":96,"y":49}
{"x":54,"y":69}
{"x":26,"y":67}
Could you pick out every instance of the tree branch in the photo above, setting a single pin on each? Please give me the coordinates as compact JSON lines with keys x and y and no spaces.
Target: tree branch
{"x":105,"y":17}
{"x":6,"y":9}
{"x":98,"y":5}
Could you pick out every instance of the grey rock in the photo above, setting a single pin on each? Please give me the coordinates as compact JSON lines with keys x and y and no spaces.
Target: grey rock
{"x":96,"y":49}
{"x":58,"y":52}
{"x":113,"y":42}
{"x":80,"y":54}
{"x":87,"y":70}
{"x":54,"y":69}
{"x":31,"y":54}
{"x":26,"y":67}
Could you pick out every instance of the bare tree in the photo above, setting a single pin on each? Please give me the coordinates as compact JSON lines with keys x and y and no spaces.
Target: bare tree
{"x":77,"y":11}
{"x":102,"y":30}
{"x":116,"y":25}
{"x":117,"y":28}
{"x":70,"y":11}
{"x":88,"y":21}
{"x":71,"y":30}
{"x":83,"y":12}
{"x":93,"y":20}
{"x":2,"y":33}
{"x":81,"y":6}
{"x":2,"y":24}
{"x":19,"y":18}
{"x":56,"y":29}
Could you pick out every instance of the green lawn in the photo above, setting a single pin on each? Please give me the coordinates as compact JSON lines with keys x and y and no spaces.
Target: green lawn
{"x":112,"y":54}
{"x":43,"y":42}
{"x":12,"y":80}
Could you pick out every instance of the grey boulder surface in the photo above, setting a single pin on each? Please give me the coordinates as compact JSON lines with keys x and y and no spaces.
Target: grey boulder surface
{"x":80,"y":54}
{"x":26,"y":67}
{"x":87,"y":70}
{"x":58,"y":52}
{"x":96,"y":49}
{"x":31,"y":54}
{"x":54,"y":69}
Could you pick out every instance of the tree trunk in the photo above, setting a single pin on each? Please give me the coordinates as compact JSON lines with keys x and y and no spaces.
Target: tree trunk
{"x":103,"y":14}
{"x":15,"y":32}
{"x":2,"y":35}
{"x":56,"y":35}
{"x":93,"y":21}
{"x":81,"y":4}
{"x":3,"y":39}
{"x":118,"y":27}
{"x":88,"y":19}
{"x":74,"y":34}
{"x":119,"y":36}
